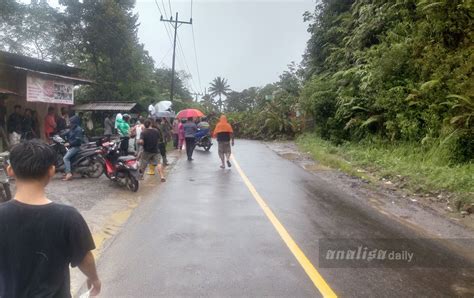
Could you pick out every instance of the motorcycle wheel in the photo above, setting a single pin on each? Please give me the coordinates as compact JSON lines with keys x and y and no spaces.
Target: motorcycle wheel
{"x":107,"y":174}
{"x":97,"y":169}
{"x":132,"y":183}
{"x":207,"y":145}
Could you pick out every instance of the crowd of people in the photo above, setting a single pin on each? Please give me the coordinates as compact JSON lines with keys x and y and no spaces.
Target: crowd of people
{"x":148,"y":139}
{"x":24,"y":124}
{"x":143,"y":137}
{"x":130,"y":132}
{"x":35,"y":259}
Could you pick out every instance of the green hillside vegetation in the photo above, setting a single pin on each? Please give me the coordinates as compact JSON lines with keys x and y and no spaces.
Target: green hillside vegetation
{"x":383,"y":84}
{"x":393,"y":70}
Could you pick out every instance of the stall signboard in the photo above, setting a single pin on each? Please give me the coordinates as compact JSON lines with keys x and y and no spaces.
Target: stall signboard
{"x":43,"y":89}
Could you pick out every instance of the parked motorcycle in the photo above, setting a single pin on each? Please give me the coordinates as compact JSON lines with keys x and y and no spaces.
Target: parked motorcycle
{"x":87,"y":162}
{"x":5,"y":192}
{"x":120,"y":169}
{"x":204,"y":142}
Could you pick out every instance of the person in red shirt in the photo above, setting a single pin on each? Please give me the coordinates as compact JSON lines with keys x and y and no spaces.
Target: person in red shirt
{"x":50,"y":123}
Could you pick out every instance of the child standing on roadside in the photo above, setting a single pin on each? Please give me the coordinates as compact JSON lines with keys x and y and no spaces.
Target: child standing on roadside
{"x":39,"y":239}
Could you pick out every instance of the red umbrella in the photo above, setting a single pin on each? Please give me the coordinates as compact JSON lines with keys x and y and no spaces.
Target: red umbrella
{"x":189,"y":113}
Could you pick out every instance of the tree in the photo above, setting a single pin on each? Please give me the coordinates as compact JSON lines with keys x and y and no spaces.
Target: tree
{"x":219,"y":87}
{"x":162,"y":83}
{"x":101,"y":37}
{"x":30,"y":29}
{"x":242,"y":101}
{"x":290,"y":80}
{"x":392,"y":70}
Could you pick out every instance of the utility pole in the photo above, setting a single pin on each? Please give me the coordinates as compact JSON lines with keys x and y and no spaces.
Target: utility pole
{"x":196,"y":96}
{"x":175,"y":23}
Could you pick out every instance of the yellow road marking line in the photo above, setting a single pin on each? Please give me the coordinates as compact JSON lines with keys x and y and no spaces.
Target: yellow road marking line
{"x":308,"y":267}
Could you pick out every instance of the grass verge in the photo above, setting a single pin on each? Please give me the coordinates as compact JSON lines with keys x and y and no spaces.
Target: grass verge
{"x":420,"y":170}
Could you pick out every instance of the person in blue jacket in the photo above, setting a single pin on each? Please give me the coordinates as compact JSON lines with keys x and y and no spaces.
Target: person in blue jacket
{"x":74,"y":141}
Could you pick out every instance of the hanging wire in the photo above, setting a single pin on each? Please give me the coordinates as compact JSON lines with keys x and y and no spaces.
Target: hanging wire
{"x":191,"y":9}
{"x":196,"y":58}
{"x":171,"y":11}
{"x":166,"y":27}
{"x":185,"y":62}
{"x":166,"y":55}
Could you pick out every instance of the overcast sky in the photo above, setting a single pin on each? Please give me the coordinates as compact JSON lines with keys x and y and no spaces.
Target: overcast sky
{"x":248,"y":42}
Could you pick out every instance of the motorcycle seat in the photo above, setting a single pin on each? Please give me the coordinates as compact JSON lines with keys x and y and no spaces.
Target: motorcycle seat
{"x":126,"y":158}
{"x":88,"y":145}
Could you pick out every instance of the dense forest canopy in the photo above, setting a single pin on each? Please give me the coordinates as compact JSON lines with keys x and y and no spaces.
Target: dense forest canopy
{"x":97,"y":36}
{"x":398,"y":70}
{"x":392,"y":71}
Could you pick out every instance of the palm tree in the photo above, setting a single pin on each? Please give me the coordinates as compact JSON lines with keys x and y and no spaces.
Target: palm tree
{"x":219,"y":87}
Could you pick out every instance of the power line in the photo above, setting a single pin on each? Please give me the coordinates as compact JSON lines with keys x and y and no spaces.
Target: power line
{"x":164,"y":9}
{"x":183,"y":63}
{"x":161,"y":13}
{"x":196,"y":58}
{"x":171,"y":11}
{"x":195,"y":51}
{"x":175,"y":23}
{"x":180,"y":48}
{"x":186,"y":63}
{"x":166,"y":55}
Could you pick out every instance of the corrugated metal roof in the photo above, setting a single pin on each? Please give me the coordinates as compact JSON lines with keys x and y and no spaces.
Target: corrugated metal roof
{"x":75,"y":80}
{"x":37,"y":64}
{"x":106,"y":106}
{"x":6,"y":91}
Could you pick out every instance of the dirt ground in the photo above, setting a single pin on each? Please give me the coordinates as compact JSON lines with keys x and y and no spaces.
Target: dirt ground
{"x":431,"y":212}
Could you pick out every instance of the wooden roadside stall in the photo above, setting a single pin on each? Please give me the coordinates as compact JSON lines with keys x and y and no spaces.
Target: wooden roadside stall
{"x":37,"y":85}
{"x":98,"y":110}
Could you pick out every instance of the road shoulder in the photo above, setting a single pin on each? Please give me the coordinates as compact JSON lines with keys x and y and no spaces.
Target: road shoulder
{"x":382,"y":197}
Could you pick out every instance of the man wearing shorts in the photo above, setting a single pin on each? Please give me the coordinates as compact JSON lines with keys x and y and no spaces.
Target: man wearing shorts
{"x":149,"y":140}
{"x":225,"y":137}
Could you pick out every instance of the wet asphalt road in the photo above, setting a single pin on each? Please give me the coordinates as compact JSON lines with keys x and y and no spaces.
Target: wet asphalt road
{"x":203,"y":234}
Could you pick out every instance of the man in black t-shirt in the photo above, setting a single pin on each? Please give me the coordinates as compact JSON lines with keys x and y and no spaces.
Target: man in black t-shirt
{"x":39,"y":239}
{"x":149,"y":139}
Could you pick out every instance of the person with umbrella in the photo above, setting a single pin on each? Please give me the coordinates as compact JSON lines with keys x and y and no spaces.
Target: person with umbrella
{"x":190,"y":129}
